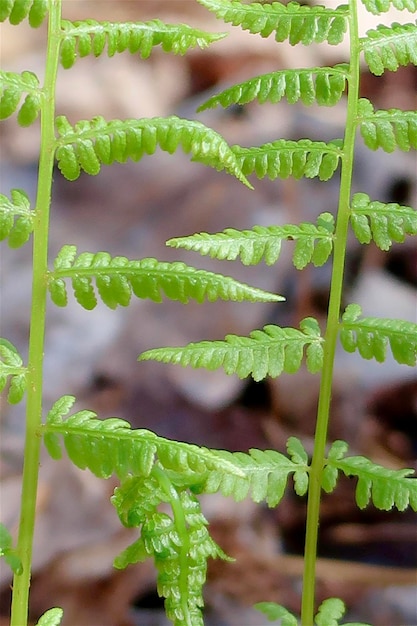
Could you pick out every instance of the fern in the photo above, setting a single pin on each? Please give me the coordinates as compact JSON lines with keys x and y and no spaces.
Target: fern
{"x":267,"y":352}
{"x":18,"y":10}
{"x":383,"y":223}
{"x":110,"y":446}
{"x":370,"y":336}
{"x":295,"y":22}
{"x":264,"y":243}
{"x":381,"y":6}
{"x":284,"y":158}
{"x":8,"y":552}
{"x":387,"y":48}
{"x":92,"y":37}
{"x":16,"y":218}
{"x":12,"y":86}
{"x":52,"y":617}
{"x":11,"y":366}
{"x":324,"y":85}
{"x":385,"y":487}
{"x":330,"y":612}
{"x":89,"y":144}
{"x":117,"y":278}
{"x":387,"y":129}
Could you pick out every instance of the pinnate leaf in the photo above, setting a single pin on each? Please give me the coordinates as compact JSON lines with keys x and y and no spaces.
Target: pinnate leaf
{"x":314,"y":243}
{"x":11,"y":367}
{"x":12,"y":87}
{"x":370,"y":336}
{"x":389,"y":129}
{"x":16,"y":218}
{"x":18,"y":10}
{"x":387,"y":48}
{"x":382,"y":6}
{"x":284,"y":158}
{"x":382,"y":223}
{"x":323,"y":85}
{"x":82,"y":38}
{"x":117,"y":279}
{"x":89,"y":144}
{"x":267,"y":352}
{"x":293,"y":21}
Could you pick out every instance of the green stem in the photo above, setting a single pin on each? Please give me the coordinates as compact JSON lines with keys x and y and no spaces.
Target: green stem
{"x":332,"y":328}
{"x":21,"y":584}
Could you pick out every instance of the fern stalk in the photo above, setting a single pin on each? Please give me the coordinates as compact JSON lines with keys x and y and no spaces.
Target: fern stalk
{"x":332,"y":327}
{"x":21,"y":583}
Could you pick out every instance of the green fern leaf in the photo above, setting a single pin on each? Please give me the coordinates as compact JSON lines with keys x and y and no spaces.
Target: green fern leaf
{"x":16,"y":218}
{"x":387,"y":129}
{"x":11,"y":367}
{"x":18,"y":10}
{"x":110,"y":446}
{"x":52,"y":617}
{"x":8,"y":552}
{"x":275,"y":612}
{"x":264,"y":475}
{"x":383,"y":223}
{"x":89,"y":144}
{"x":295,"y":22}
{"x":385,"y":487}
{"x":264,"y":243}
{"x":118,"y":278}
{"x":331,"y":611}
{"x":387,"y":48}
{"x":324,"y":85}
{"x":284,"y":158}
{"x":370,"y":336}
{"x":86,"y":37}
{"x":267,"y":352}
{"x":12,"y":86}
{"x":382,"y":6}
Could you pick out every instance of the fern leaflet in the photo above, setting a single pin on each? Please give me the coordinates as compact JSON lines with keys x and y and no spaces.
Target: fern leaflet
{"x":16,"y":218}
{"x":92,"y":37}
{"x":264,"y":243}
{"x":18,"y":10}
{"x":8,"y":552}
{"x":275,"y":612}
{"x":51,"y":617}
{"x":110,"y":446}
{"x":387,"y":129}
{"x":387,"y":48}
{"x":382,"y":6}
{"x":385,"y":487}
{"x":324,"y":85}
{"x":89,"y":144}
{"x":264,"y":474}
{"x":284,"y":158}
{"x":11,"y":365}
{"x":383,"y":223}
{"x":12,"y":86}
{"x":331,"y":611}
{"x":117,"y":278}
{"x":370,"y":336}
{"x":295,"y":22}
{"x":267,"y":352}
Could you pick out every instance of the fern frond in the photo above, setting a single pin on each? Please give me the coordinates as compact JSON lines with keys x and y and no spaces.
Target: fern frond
{"x":118,"y":278}
{"x":323,"y":85}
{"x":110,"y":446}
{"x":386,"y":48}
{"x":86,"y":37}
{"x":389,"y":129}
{"x":267,"y":352}
{"x":370,"y":336}
{"x":284,"y":158}
{"x":385,"y":487}
{"x":89,"y":144}
{"x":264,"y":475}
{"x":18,"y":10}
{"x":16,"y":218}
{"x":383,"y":223}
{"x":264,"y":243}
{"x":382,"y":6}
{"x":295,"y":22}
{"x":11,"y":366}
{"x":12,"y":87}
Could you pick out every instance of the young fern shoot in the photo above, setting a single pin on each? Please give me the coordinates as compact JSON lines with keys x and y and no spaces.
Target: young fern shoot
{"x":153,"y":470}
